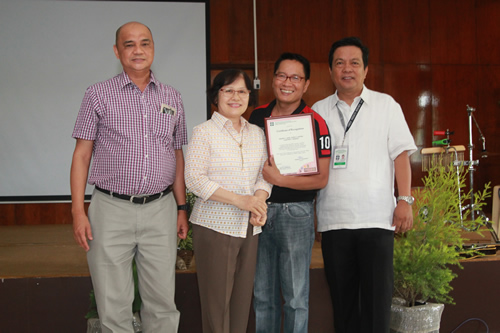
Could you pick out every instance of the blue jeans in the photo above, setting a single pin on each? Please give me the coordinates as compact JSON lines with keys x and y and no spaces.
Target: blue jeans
{"x":283,"y":261}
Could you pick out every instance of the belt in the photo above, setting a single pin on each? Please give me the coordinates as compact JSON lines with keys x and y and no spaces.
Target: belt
{"x":137,"y":199}
{"x":287,"y":202}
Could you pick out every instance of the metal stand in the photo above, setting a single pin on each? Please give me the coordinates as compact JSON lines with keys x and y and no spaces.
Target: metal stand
{"x":471,"y":163}
{"x":454,"y":155}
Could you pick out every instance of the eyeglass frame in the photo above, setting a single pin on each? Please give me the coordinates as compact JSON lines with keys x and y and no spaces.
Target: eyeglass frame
{"x":239,"y":92}
{"x":286,"y":77}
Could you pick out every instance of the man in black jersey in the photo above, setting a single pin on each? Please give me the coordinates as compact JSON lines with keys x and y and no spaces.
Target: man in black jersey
{"x":286,"y":241}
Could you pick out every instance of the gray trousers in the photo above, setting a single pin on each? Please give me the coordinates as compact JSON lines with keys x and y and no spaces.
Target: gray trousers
{"x":123,"y":231}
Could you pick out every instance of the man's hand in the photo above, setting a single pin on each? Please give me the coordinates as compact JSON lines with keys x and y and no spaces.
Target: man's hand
{"x":78,"y":180}
{"x":403,"y":214}
{"x":182,"y":224}
{"x":82,"y":230}
{"x":403,"y":217}
{"x":270,"y":172}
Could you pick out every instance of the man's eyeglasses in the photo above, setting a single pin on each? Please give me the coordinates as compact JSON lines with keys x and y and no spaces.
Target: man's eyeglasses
{"x":230,"y":92}
{"x":293,"y":78}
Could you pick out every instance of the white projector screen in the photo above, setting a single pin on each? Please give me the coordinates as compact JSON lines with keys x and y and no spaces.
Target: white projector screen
{"x":52,"y":51}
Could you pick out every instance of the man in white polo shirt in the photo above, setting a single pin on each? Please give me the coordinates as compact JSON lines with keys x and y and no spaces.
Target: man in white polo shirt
{"x":357,"y":211}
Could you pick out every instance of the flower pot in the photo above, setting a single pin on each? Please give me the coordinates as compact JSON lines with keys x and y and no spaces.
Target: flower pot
{"x":424,"y":318}
{"x":186,"y":256}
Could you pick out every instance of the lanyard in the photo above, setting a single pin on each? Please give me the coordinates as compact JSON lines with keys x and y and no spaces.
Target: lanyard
{"x":349,"y":124}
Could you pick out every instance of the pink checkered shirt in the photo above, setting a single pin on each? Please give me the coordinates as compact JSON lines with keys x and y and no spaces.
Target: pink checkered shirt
{"x":134,"y":133}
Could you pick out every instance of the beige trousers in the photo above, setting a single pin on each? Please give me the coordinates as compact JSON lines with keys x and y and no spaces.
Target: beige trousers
{"x":123,"y":231}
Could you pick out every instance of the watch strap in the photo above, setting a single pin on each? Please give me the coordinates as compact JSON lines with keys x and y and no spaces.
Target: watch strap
{"x":183,"y":207}
{"x":408,"y":198}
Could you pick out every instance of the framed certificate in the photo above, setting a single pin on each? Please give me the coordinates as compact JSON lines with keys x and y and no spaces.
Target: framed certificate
{"x":292,"y":142}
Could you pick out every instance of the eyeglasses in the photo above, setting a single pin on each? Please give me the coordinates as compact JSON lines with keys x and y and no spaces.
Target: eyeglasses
{"x":293,"y":78}
{"x":230,"y":92}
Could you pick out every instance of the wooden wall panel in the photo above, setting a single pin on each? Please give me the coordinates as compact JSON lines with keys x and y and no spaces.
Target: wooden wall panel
{"x":308,"y":27}
{"x":241,"y":31}
{"x":375,"y":77}
{"x":7,"y":214}
{"x":488,"y":105}
{"x":321,"y":85}
{"x":405,"y":31}
{"x":360,"y":18}
{"x":453,"y":31}
{"x":410,"y":85}
{"x":488,"y":117}
{"x":231,"y":31}
{"x":266,"y":71}
{"x":270,"y":29}
{"x":36,"y":213}
{"x":487,"y":32}
{"x":219,"y":31}
{"x":453,"y":87}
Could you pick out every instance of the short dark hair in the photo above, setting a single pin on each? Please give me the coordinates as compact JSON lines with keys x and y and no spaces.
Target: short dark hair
{"x":226,"y":77}
{"x":349,"y":41}
{"x":294,"y":56}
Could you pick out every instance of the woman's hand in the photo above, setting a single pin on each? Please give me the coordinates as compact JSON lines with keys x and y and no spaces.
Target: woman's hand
{"x":258,"y":221}
{"x":252,"y":203}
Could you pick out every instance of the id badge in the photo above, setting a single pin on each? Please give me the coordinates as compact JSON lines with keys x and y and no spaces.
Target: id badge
{"x":339,"y":160}
{"x":167,"y":109}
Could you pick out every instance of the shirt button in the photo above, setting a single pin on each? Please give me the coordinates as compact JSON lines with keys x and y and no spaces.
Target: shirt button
{"x":146,"y":156}
{"x":145,"y":177}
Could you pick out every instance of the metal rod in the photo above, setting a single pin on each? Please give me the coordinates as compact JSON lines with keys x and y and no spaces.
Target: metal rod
{"x":471,"y":163}
{"x":457,"y":164}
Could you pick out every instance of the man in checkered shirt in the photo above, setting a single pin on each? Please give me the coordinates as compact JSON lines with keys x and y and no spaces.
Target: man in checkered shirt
{"x":132,"y":127}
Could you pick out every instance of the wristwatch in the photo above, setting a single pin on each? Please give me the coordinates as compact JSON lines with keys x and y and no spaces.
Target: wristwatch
{"x":408,"y":198}
{"x":183,"y":207}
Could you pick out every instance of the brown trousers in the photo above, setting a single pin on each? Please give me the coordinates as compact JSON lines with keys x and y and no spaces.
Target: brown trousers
{"x":225,"y":268}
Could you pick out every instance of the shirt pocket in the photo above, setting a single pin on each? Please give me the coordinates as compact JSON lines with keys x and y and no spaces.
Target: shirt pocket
{"x":163,"y":125}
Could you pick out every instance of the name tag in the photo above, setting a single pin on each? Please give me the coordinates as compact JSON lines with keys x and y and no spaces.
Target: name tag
{"x":339,"y":160}
{"x":168,"y":109}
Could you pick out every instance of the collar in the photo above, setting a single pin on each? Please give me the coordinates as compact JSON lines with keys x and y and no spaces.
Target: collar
{"x":298,"y":110}
{"x":222,"y":122}
{"x":365,"y":95}
{"x":125,"y":80}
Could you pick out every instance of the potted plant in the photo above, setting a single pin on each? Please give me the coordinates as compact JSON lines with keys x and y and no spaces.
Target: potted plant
{"x":423,"y":255}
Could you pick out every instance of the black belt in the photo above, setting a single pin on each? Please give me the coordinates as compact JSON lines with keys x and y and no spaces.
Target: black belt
{"x":137,"y":199}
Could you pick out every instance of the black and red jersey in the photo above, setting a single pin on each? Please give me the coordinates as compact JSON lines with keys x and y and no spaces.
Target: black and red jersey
{"x":323,"y":143}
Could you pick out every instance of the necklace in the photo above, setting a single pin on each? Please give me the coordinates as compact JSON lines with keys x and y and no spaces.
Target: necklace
{"x":240,"y":144}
